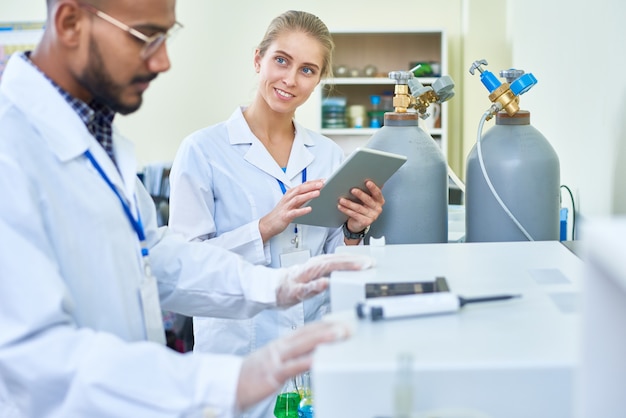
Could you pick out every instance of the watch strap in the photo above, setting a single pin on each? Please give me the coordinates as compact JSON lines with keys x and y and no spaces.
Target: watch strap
{"x":353,"y":235}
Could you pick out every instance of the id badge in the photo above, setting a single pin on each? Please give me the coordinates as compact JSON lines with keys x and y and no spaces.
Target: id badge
{"x":292,"y":256}
{"x":153,"y":320}
{"x":293,"y":251}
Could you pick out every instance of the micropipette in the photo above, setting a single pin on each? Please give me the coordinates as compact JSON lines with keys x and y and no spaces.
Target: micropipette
{"x":418,"y":305}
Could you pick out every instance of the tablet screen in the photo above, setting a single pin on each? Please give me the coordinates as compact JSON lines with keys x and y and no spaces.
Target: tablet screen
{"x":363,"y":164}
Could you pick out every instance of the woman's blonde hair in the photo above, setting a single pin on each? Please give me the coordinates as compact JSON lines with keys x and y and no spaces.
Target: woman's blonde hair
{"x":293,"y":21}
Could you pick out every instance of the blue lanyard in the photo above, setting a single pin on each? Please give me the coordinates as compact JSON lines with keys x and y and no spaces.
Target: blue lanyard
{"x":282,"y":185}
{"x":296,"y":239}
{"x":135,"y":223}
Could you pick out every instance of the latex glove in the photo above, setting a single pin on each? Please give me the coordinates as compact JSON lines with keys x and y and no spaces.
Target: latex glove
{"x":288,"y":208}
{"x":266,"y":370}
{"x":305,"y":280}
{"x":363,"y":214}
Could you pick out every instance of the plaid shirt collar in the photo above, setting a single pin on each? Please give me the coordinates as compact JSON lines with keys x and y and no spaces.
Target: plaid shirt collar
{"x":96,"y":116}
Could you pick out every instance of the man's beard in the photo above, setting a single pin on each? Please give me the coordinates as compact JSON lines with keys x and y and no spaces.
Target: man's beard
{"x":103,"y":89}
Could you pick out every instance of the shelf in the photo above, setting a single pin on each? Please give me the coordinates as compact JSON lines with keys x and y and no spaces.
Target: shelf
{"x":386,"y":51}
{"x":369,"y":80}
{"x":349,"y":131}
{"x":365,"y":131}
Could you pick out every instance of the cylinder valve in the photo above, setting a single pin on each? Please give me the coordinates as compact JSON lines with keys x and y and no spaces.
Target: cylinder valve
{"x":409,"y":93}
{"x":506,"y":94}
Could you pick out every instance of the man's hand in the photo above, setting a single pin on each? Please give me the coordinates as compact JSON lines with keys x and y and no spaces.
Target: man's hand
{"x":265,"y":371}
{"x":303,"y":281}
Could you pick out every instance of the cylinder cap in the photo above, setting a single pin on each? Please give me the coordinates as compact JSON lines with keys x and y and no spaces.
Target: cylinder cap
{"x":520,"y":118}
{"x":401,"y":119}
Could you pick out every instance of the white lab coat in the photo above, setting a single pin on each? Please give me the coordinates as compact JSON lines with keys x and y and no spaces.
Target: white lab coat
{"x":223,"y":180}
{"x":72,"y":336}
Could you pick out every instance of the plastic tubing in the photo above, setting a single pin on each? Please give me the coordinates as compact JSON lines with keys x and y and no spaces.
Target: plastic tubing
{"x":492,"y":111}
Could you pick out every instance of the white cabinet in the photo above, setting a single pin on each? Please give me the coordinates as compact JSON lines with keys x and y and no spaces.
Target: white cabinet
{"x":386,"y":51}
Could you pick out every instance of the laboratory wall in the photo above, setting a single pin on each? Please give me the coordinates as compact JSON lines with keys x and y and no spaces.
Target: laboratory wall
{"x":213,"y":71}
{"x":572,"y":48}
{"x":576,"y":51}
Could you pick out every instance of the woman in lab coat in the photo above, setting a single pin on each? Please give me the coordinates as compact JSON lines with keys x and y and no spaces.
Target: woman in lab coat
{"x":240,"y":184}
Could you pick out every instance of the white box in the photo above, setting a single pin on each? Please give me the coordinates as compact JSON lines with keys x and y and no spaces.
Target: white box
{"x":509,"y":359}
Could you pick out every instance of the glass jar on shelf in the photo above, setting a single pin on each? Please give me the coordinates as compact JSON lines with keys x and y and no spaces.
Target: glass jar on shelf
{"x":334,"y":112}
{"x":375,"y":114}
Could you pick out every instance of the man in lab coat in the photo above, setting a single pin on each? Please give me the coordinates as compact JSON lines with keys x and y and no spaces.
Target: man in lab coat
{"x":80,"y":250}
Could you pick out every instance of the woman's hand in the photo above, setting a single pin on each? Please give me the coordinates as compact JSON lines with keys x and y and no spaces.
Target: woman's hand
{"x":289,"y":208}
{"x":361,"y":215}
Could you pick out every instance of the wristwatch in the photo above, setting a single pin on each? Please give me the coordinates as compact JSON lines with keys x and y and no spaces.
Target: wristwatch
{"x":353,"y":235}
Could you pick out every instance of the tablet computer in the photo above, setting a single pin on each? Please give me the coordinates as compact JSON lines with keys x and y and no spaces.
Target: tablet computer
{"x":363,"y":164}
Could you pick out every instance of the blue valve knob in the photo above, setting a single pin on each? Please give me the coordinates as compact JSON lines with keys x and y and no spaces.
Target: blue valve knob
{"x":523,"y":84}
{"x":490,"y":81}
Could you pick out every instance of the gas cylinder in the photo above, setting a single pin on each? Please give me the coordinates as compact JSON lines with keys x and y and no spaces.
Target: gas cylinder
{"x":523,"y":169}
{"x":416,"y":196}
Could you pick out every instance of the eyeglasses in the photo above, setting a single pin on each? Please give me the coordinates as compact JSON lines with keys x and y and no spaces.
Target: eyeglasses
{"x":151,"y":43}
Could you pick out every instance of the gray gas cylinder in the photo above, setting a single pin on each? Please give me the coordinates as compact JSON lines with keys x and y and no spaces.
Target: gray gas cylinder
{"x":524,"y":170}
{"x":416,"y":196}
